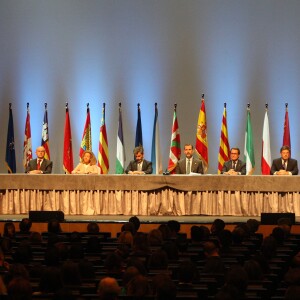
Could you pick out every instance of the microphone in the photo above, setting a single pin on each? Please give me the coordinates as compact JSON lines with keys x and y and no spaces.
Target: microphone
{"x":166,"y":172}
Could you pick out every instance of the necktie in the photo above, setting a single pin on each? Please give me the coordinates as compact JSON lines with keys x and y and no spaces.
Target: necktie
{"x":39,"y":164}
{"x":188,"y":167}
{"x":284,"y":164}
{"x":234,"y":165}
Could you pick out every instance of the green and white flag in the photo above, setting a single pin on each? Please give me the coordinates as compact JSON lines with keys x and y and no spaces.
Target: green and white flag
{"x":249,"y":148}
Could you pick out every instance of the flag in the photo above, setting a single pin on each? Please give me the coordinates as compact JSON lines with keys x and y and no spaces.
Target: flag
{"x":286,"y":129}
{"x":86,"y":141}
{"x":156,"y":153}
{"x":120,"y":162}
{"x":201,"y":135}
{"x":249,"y":148}
{"x":266,"y":148}
{"x":45,"y":134}
{"x":68,"y":151}
{"x":27,"y":145}
{"x":224,"y":150}
{"x":10,"y":157}
{"x":175,"y":150}
{"x":103,"y":156}
{"x":139,"y":133}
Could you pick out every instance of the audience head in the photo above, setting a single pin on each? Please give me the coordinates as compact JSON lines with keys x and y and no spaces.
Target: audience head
{"x":217,"y":226}
{"x":136,"y":221}
{"x":128,"y":226}
{"x":286,"y":225}
{"x":9,"y":230}
{"x":138,"y":286}
{"x":155,"y":237}
{"x":19,"y":288}
{"x":54,"y":226}
{"x":108,"y":289}
{"x":25,"y":225}
{"x":174,"y":227}
{"x":88,"y":158}
{"x":93,"y":227}
{"x":164,"y":287}
{"x":253,"y":225}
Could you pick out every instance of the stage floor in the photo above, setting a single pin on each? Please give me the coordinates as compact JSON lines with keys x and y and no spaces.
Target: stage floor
{"x":144,"y":219}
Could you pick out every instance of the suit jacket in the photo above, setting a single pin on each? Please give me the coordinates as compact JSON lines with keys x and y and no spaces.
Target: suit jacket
{"x":146,"y":166}
{"x":46,"y":166}
{"x":292,"y":166}
{"x":196,"y":166}
{"x":240,"y":167}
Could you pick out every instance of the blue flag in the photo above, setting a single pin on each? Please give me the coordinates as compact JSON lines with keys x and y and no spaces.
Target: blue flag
{"x":139,"y":134}
{"x":10,"y":157}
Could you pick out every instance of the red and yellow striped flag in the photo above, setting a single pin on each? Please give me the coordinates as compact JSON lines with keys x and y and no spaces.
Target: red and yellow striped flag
{"x":201,"y":136}
{"x":103,"y":156}
{"x":224,"y":151}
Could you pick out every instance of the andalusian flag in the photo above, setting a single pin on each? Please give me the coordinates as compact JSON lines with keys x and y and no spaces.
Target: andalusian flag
{"x":286,"y":129}
{"x":201,"y":135}
{"x":103,"y":156}
{"x":45,"y":134}
{"x":266,"y":147}
{"x":10,"y":156}
{"x":249,"y":148}
{"x":224,"y":151}
{"x":139,"y":133}
{"x":27,"y":145}
{"x":175,"y":150}
{"x":120,"y":162}
{"x":68,"y":150}
{"x":156,"y":153}
{"x":86,"y":141}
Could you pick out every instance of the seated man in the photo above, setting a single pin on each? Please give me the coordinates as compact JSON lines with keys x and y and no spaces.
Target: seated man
{"x":284,"y":165}
{"x":139,"y":165}
{"x":40,"y":165}
{"x":234,"y":166}
{"x":189,"y":164}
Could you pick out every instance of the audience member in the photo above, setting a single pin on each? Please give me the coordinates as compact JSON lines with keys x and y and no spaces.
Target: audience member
{"x":25,"y":226}
{"x":93,"y":227}
{"x":217,"y":226}
{"x":163,"y":287}
{"x":108,"y":289}
{"x":136,"y":221}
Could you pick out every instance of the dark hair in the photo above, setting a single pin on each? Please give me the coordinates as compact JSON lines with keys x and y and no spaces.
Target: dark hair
{"x":235,"y":148}
{"x":25,"y":225}
{"x":285,"y":147}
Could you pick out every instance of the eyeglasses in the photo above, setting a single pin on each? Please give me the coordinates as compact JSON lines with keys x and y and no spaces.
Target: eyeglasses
{"x":234,"y":153}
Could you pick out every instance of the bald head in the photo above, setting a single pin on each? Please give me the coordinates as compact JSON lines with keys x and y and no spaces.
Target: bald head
{"x":108,"y":288}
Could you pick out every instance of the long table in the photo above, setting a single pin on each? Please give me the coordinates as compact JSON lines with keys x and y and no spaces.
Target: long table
{"x":178,"y":195}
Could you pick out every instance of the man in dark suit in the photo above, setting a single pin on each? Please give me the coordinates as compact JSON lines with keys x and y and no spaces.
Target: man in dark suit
{"x":284,"y":165}
{"x":40,"y":165}
{"x":139,"y":165}
{"x":189,"y":164}
{"x":234,"y":166}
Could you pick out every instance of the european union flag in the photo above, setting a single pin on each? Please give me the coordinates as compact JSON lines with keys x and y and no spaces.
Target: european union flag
{"x":10,"y":157}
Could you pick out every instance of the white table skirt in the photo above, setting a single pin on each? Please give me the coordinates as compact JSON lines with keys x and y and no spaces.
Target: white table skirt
{"x":150,"y":195}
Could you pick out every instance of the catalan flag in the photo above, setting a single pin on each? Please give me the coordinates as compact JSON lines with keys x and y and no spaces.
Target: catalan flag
{"x":10,"y":156}
{"x":45,"y":134}
{"x":175,"y":150}
{"x":224,"y":150}
{"x":27,"y":145}
{"x":68,"y":150}
{"x":86,"y":141}
{"x":201,"y":135}
{"x":103,"y":156}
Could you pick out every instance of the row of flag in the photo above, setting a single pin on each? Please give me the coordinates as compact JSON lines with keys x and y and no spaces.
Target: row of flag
{"x":201,"y":145}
